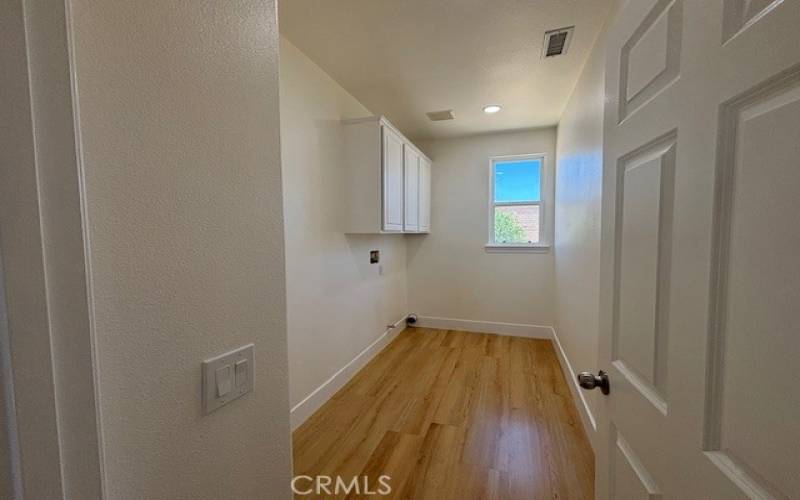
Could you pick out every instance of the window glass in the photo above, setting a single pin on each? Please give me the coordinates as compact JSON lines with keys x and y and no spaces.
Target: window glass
{"x":516,"y":224}
{"x":516,"y":181}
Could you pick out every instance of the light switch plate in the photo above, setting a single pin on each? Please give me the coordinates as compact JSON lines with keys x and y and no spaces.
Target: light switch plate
{"x":242,"y":356}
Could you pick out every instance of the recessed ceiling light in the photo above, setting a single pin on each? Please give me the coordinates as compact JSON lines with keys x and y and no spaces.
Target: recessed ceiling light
{"x":491,"y":109}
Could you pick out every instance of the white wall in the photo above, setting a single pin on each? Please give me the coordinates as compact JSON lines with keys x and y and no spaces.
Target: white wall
{"x":450,"y":273}
{"x":338,"y":304}
{"x":579,"y":175}
{"x":178,"y":106}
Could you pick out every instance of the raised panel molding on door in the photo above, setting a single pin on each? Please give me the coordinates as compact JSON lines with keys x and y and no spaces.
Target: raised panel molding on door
{"x":630,"y":478}
{"x":645,"y":180}
{"x":739,"y":14}
{"x":650,"y":60}
{"x":755,"y":292}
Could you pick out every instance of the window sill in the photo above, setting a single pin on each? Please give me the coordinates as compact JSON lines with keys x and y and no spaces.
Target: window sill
{"x":494,"y":248}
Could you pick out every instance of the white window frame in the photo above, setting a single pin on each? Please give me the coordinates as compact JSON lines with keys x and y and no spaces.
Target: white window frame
{"x":543,"y":244}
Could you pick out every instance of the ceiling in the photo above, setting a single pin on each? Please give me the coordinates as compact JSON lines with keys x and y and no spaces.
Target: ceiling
{"x":403,"y":58}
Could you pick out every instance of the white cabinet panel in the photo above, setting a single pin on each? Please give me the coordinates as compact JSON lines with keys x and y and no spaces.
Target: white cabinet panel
{"x":424,"y":195}
{"x":411,"y":190}
{"x":392,"y":180}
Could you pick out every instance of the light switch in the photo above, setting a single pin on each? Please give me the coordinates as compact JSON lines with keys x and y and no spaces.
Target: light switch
{"x":223,"y":379}
{"x":227,"y":377}
{"x":241,"y":373}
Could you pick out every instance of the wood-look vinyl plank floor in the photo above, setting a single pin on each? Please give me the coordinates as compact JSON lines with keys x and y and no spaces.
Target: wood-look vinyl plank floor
{"x":453,"y":415}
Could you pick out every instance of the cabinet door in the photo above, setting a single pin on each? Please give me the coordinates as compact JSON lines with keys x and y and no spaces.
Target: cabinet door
{"x":411,"y":190}
{"x":424,"y":195}
{"x":392,"y":181}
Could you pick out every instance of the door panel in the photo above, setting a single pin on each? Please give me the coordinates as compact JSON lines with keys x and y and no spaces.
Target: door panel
{"x":650,"y":58}
{"x":630,"y":478}
{"x":424,"y":195}
{"x":392,"y":181}
{"x":411,"y":184}
{"x":757,"y":291}
{"x":647,"y":57}
{"x":699,"y":281}
{"x":645,"y":195}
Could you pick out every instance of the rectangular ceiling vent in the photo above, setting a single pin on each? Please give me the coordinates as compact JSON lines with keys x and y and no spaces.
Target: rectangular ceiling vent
{"x":556,"y":42}
{"x":440,"y":116}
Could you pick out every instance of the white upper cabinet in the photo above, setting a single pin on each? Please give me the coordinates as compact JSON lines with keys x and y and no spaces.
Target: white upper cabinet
{"x":392,"y":181}
{"x":411,"y":190}
{"x":387,"y":179}
{"x":424,"y":195}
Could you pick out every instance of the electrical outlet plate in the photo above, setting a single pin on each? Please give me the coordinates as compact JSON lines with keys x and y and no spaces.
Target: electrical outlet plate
{"x":241,"y":366}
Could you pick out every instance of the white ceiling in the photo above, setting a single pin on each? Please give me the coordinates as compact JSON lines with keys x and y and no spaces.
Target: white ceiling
{"x":403,"y":58}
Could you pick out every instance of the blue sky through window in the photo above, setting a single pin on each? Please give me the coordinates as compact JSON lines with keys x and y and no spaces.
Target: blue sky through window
{"x":517,"y":180}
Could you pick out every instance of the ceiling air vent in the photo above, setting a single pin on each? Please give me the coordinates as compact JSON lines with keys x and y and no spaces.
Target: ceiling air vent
{"x":556,"y":42}
{"x":439,"y":116}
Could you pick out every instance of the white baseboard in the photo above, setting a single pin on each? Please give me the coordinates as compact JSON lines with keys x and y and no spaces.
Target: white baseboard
{"x":468,"y":325}
{"x":311,"y":403}
{"x":589,"y":423}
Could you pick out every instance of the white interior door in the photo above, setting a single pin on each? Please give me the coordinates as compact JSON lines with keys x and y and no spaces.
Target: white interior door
{"x":700,"y":312}
{"x":424,"y":195}
{"x":411,"y":189}
{"x":392,"y":181}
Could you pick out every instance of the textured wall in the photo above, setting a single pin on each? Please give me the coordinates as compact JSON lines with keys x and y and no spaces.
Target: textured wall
{"x":338,"y":304}
{"x":178,"y":106}
{"x":450,"y":273}
{"x":579,"y":177}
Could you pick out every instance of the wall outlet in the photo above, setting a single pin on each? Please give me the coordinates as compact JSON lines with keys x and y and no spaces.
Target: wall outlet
{"x":227,"y":377}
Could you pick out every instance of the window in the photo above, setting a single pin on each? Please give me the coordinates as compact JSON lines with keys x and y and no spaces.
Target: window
{"x":516,"y":217}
